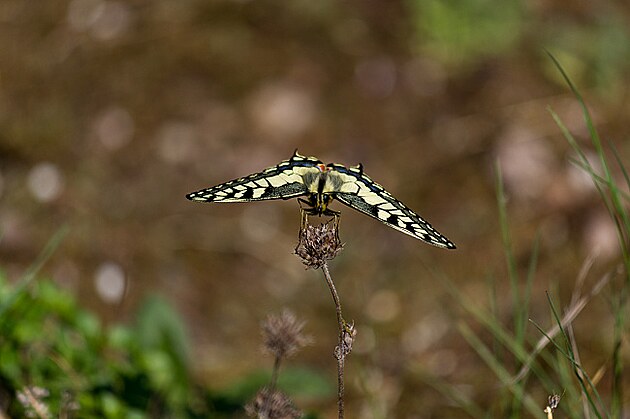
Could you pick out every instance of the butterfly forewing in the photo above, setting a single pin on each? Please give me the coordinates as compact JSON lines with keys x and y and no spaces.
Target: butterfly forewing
{"x":361,"y":193}
{"x":284,"y":181}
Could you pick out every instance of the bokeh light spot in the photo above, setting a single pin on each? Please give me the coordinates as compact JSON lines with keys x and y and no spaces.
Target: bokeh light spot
{"x":109,"y":281}
{"x":83,"y":13}
{"x":283,"y":111}
{"x":176,"y":141}
{"x":45,"y":182}
{"x":383,"y":306}
{"x":114,"y":127}
{"x":114,"y":21}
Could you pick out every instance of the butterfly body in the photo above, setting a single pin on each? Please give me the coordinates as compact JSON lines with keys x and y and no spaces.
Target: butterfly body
{"x":318,"y":185}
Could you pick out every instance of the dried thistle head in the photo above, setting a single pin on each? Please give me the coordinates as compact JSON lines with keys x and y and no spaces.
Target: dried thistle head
{"x":283,"y":336}
{"x":32,"y":399}
{"x":554,"y":401}
{"x":272,"y":404}
{"x":318,"y":244}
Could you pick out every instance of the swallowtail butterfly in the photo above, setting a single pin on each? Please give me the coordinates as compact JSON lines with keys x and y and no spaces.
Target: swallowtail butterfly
{"x":318,"y":184}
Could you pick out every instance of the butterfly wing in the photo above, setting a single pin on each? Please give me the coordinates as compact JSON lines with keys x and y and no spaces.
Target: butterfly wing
{"x":283,"y":181}
{"x":361,"y":193}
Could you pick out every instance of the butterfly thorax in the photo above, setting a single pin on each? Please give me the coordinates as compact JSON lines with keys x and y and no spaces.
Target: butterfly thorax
{"x":322,"y":185}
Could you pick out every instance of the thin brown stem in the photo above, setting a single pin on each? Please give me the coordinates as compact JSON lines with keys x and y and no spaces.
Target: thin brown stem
{"x":275,"y":372}
{"x":316,"y":246}
{"x":344,"y":346}
{"x":335,"y":296}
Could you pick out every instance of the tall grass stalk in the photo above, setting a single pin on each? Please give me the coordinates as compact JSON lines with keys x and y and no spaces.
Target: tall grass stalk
{"x":567,"y":350}
{"x":551,"y":359}
{"x":615,"y":201}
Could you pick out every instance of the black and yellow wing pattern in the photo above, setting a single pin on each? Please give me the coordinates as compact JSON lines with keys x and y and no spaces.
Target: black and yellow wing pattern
{"x":308,"y":178}
{"x":284,"y":181}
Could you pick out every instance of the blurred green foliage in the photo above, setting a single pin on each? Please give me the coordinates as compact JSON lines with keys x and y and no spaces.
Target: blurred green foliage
{"x":47,"y":341}
{"x":461,"y":31}
{"x":93,"y":371}
{"x":599,"y":55}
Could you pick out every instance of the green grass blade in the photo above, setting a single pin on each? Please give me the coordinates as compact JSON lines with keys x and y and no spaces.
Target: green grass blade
{"x":619,"y":213}
{"x":620,"y":162}
{"x":34,"y":269}
{"x":587,"y":115}
{"x":451,"y":392}
{"x":600,"y":180}
{"x":580,"y":374}
{"x":499,"y":370}
{"x":517,"y":303}
{"x":529,"y":282}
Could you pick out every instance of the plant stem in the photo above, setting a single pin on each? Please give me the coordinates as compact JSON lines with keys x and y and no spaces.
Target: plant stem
{"x":340,"y":352}
{"x":274,"y":373}
{"x":335,"y":296}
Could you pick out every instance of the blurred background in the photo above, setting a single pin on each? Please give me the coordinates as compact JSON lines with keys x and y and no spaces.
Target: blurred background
{"x":111,"y":111}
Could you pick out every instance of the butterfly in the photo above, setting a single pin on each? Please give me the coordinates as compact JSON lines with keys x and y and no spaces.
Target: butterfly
{"x":317,"y":185}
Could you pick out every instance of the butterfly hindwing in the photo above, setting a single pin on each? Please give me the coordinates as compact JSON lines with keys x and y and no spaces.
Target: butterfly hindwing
{"x":283,"y":181}
{"x":361,"y":193}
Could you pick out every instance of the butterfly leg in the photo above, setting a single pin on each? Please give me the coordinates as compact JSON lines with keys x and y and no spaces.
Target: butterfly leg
{"x":336,"y":218}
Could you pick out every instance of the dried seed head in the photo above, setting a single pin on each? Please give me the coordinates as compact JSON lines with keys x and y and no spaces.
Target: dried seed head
{"x":318,"y":244}
{"x":31,"y":399}
{"x":347,"y":340}
{"x":283,"y":336}
{"x":554,"y":401}
{"x":272,"y":404}
{"x":552,"y":404}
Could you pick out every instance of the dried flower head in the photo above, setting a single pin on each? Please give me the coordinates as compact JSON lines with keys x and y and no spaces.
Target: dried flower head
{"x":318,"y":244}
{"x":348,"y":334}
{"x":31,"y":399}
{"x":283,"y":336}
{"x":553,"y":402}
{"x":68,"y":404}
{"x":272,"y":404}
